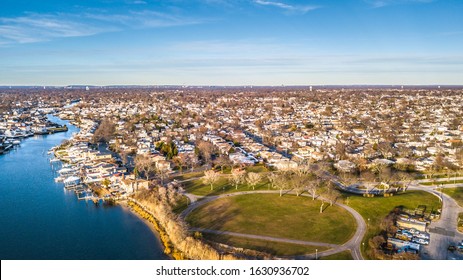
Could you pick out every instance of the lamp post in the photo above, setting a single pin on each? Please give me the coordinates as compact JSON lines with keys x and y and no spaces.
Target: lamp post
{"x":316,"y":254}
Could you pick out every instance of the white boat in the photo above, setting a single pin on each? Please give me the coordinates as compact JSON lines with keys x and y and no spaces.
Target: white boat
{"x":16,"y":142}
{"x":54,"y":160}
{"x":71,"y":181}
{"x":67,"y":172}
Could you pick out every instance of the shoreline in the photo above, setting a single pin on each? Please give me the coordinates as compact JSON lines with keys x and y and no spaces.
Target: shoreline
{"x":170,"y":250}
{"x":124,"y":204}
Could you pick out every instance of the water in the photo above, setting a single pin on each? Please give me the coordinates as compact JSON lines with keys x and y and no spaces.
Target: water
{"x":41,"y":220}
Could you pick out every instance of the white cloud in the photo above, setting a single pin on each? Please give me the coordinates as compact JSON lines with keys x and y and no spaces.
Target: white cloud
{"x":34,"y":27}
{"x":290,"y":8}
{"x":384,"y":3}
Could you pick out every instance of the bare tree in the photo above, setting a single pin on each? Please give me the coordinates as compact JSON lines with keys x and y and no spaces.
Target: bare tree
{"x":313,"y":185}
{"x":237,"y":177}
{"x":321,"y":206}
{"x":223,"y":161}
{"x":281,"y":182}
{"x":331,"y":193}
{"x":272,"y":178}
{"x":253,"y":179}
{"x":145,"y":164}
{"x":347,"y":178}
{"x":105,"y":131}
{"x":162,"y":173}
{"x":206,"y":149}
{"x":193,"y":161}
{"x":211,"y":177}
{"x":298,"y":183}
{"x":181,"y":161}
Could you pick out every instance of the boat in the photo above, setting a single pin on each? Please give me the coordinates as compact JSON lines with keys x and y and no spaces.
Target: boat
{"x":16,"y":142}
{"x":67,"y":172}
{"x":71,"y":181}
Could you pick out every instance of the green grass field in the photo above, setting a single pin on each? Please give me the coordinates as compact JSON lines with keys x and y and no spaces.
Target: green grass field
{"x":344,"y":255}
{"x":455,"y":193}
{"x":377,"y":208}
{"x":257,"y":168}
{"x":181,"y":205}
{"x":223,"y":186}
{"x":187,"y":175}
{"x":274,"y":248}
{"x":270,"y":215}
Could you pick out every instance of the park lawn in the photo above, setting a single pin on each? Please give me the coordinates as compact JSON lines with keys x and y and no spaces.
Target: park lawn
{"x":257,"y":168}
{"x":344,"y":255}
{"x":181,"y":205}
{"x":289,"y":217}
{"x":270,"y":247}
{"x":442,"y":183}
{"x":188,"y":175}
{"x":198,"y":187}
{"x":377,"y":208}
{"x":455,"y":193}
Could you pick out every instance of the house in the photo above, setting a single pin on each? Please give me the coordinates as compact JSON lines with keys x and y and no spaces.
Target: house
{"x":163,"y":165}
{"x":345,"y":166}
{"x":133,"y":185}
{"x":285,"y":164}
{"x":411,"y":223}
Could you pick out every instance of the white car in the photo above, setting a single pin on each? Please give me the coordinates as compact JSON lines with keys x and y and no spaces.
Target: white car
{"x":423,"y":236}
{"x":421,"y":241}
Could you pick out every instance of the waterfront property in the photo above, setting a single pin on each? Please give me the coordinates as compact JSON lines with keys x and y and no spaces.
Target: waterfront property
{"x":49,"y":223}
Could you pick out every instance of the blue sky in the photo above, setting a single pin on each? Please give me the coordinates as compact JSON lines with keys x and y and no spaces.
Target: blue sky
{"x":231,"y":42}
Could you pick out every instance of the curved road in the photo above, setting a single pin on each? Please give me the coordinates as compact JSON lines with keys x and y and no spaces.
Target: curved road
{"x":353,"y":245}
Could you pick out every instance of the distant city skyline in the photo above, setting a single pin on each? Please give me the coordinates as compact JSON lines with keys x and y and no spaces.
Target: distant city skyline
{"x":226,"y":42}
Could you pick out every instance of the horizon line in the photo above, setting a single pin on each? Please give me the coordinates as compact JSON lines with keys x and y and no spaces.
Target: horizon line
{"x":226,"y":86}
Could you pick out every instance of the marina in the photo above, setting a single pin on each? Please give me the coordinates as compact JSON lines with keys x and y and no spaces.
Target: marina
{"x":42,"y":219}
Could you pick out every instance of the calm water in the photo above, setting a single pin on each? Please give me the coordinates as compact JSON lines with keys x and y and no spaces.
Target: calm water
{"x":40,"y":220}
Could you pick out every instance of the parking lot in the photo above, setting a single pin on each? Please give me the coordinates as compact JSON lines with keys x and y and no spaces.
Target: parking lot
{"x":441,"y":239}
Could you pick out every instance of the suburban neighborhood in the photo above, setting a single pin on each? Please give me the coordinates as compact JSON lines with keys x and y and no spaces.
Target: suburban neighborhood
{"x":354,"y":173}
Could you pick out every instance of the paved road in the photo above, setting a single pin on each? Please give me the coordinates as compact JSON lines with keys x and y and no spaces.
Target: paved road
{"x":439,"y":179}
{"x":444,"y":231}
{"x":353,"y":245}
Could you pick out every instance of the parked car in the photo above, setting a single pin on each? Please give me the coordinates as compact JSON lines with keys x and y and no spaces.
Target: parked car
{"x":423,"y":235}
{"x":420,"y":241}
